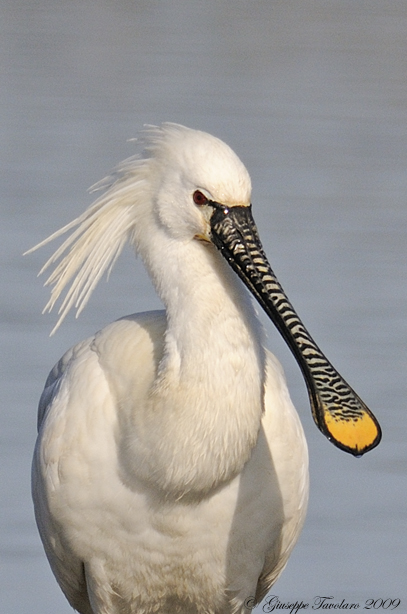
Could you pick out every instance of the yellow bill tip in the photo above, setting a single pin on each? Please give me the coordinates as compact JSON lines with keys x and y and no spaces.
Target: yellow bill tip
{"x":356,"y":435}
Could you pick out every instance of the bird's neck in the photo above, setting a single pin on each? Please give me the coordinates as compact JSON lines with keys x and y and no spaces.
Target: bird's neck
{"x":206,"y":403}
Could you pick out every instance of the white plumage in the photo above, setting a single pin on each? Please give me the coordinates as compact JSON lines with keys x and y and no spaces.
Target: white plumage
{"x":170,"y":473}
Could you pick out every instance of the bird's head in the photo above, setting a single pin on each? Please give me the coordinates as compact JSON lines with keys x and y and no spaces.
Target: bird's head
{"x":190,"y":173}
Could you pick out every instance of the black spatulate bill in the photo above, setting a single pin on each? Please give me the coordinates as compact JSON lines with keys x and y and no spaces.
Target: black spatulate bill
{"x":337,"y":410}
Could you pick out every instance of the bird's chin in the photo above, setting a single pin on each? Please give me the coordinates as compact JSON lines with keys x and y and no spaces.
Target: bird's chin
{"x":203,"y":238}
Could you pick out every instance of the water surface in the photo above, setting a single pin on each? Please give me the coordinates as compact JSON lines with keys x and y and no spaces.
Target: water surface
{"x":312,"y":94}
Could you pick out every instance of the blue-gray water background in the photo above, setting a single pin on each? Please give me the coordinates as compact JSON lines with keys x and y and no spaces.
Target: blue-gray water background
{"x":312,"y":94}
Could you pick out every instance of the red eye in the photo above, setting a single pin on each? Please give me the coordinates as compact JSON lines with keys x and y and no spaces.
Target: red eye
{"x":199,"y":198}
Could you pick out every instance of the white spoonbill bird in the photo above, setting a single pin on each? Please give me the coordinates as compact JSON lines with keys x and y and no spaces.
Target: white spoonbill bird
{"x":170,"y":474}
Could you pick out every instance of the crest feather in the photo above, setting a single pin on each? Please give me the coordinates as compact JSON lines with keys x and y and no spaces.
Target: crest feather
{"x":98,"y":239}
